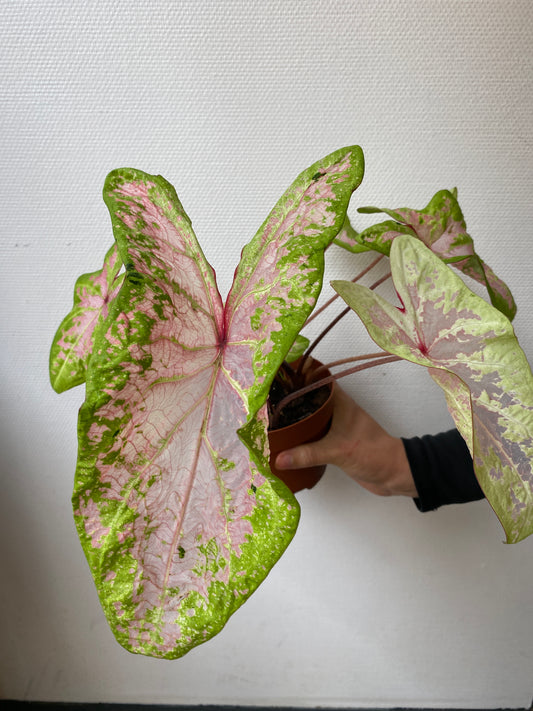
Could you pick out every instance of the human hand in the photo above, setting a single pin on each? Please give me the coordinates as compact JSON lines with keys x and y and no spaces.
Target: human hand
{"x":360,"y":447}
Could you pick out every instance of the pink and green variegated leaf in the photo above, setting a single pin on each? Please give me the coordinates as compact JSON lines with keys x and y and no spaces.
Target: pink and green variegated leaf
{"x":73,"y":341}
{"x":440,"y":226}
{"x":180,"y":521}
{"x":348,"y":238}
{"x":280,"y":274}
{"x":458,"y":399}
{"x":377,"y":237}
{"x":471,"y":351}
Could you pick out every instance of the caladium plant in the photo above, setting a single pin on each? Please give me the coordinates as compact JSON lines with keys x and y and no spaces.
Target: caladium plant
{"x":180,"y":518}
{"x":176,"y":507}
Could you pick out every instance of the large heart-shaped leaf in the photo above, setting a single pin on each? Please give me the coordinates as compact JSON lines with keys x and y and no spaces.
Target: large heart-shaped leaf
{"x":442,"y":228}
{"x":472,"y":353}
{"x":73,"y":342}
{"x":180,"y":521}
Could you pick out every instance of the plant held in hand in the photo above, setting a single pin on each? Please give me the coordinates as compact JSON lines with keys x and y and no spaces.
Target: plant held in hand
{"x":177,"y":509}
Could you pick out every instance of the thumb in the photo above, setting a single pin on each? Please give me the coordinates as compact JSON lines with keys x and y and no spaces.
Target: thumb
{"x":306,"y":455}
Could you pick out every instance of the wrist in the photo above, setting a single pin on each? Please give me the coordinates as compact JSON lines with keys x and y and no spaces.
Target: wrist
{"x":400,"y":481}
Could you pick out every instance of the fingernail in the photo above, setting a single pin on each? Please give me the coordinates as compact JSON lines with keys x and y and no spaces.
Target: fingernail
{"x":284,"y":460}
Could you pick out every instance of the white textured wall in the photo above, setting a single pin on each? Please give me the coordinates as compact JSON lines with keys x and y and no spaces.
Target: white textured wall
{"x":373,"y":604}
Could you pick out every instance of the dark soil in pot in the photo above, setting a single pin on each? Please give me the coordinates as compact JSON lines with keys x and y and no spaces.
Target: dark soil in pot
{"x":301,"y":407}
{"x":305,"y":419}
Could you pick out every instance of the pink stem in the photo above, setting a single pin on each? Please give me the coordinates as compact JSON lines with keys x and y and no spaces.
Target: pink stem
{"x":333,"y":298}
{"x":352,"y":359}
{"x":324,"y":333}
{"x":336,"y":320}
{"x":379,"y":281}
{"x":331,"y":378}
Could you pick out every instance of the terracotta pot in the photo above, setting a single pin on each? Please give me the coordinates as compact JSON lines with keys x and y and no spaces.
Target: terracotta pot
{"x":310,"y":429}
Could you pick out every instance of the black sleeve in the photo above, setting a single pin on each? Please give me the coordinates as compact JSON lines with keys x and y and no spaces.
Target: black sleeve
{"x":443,"y":471}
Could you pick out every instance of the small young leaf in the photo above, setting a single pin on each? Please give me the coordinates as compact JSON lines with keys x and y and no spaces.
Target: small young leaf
{"x":180,"y":519}
{"x":348,"y":239}
{"x":298,"y":348}
{"x":472,"y":353}
{"x":377,"y":237}
{"x":73,"y":341}
{"x":441,"y":227}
